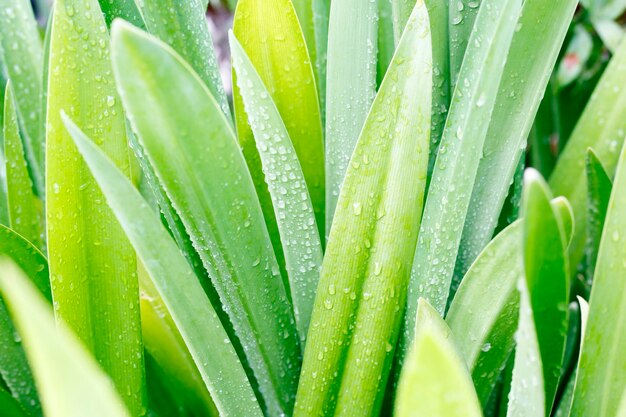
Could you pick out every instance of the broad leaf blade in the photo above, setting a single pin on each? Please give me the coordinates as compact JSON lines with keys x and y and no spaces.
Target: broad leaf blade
{"x":287,"y":187}
{"x":547,"y":276}
{"x":434,"y":380}
{"x":25,"y":209}
{"x":602,"y":369}
{"x":183,"y":26}
{"x":601,"y":127}
{"x":92,"y":264}
{"x":176,"y":283}
{"x":529,"y":64}
{"x":362,"y":287}
{"x":21,"y":51}
{"x":485,"y":335}
{"x":53,"y":350}
{"x":350,"y":88}
{"x":196,"y":157}
{"x":269,"y":33}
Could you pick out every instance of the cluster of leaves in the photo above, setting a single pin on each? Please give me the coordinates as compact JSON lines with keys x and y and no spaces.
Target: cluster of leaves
{"x":353,"y":232}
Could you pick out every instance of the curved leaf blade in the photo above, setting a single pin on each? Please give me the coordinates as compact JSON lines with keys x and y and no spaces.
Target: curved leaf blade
{"x":53,"y":350}
{"x":362,"y":287}
{"x":271,"y":36}
{"x":176,"y":283}
{"x":434,"y":380}
{"x":287,"y":186}
{"x":214,"y":195}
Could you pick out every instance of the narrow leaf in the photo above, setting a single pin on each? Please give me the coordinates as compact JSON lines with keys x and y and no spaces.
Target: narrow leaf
{"x":598,"y":195}
{"x":527,"y":396}
{"x":531,"y":58}
{"x":183,"y":26}
{"x":214,"y":195}
{"x":124,"y":9}
{"x":434,"y":380}
{"x":350,"y":88}
{"x":10,"y":407}
{"x":547,"y":275}
{"x":173,"y":278}
{"x":21,"y":52}
{"x":462,"y":16}
{"x":457,"y":162}
{"x":92,"y":264}
{"x":53,"y":350}
{"x":25,"y":209}
{"x":601,"y":127}
{"x":362,"y":288}
{"x":602,"y":369}
{"x":287,"y":187}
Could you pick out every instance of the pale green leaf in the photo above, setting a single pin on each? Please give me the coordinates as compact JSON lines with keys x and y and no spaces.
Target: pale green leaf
{"x":25,"y":208}
{"x":52,"y":350}
{"x":287,"y":187}
{"x":434,"y":380}
{"x":176,"y":283}
{"x":22,"y":58}
{"x":213,"y":193}
{"x":92,"y":264}
{"x":527,"y":71}
{"x":362,"y":290}
{"x":350,"y":88}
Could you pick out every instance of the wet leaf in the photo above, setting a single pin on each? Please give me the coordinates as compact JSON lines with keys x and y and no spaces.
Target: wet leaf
{"x":214,"y":196}
{"x":362,"y":290}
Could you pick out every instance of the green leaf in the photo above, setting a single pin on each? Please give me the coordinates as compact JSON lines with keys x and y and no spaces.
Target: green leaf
{"x":53,"y":350}
{"x":598,"y":195}
{"x":457,"y":162}
{"x":14,"y":368}
{"x":527,"y":395}
{"x":92,"y":264}
{"x":601,"y":127}
{"x":10,"y":407}
{"x":602,"y":369}
{"x":362,"y":288}
{"x":526,"y":73}
{"x":350,"y":88}
{"x":183,"y":26}
{"x":214,"y":195}
{"x":484,"y":313}
{"x":22,"y":57}
{"x":269,"y":33}
{"x":462,"y":17}
{"x":622,"y":408}
{"x":124,"y":9}
{"x":287,"y":187}
{"x":547,"y":276}
{"x":167,"y":348}
{"x":175,"y":282}
{"x":434,"y":380}
{"x":25,"y":209}
{"x":386,"y":39}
